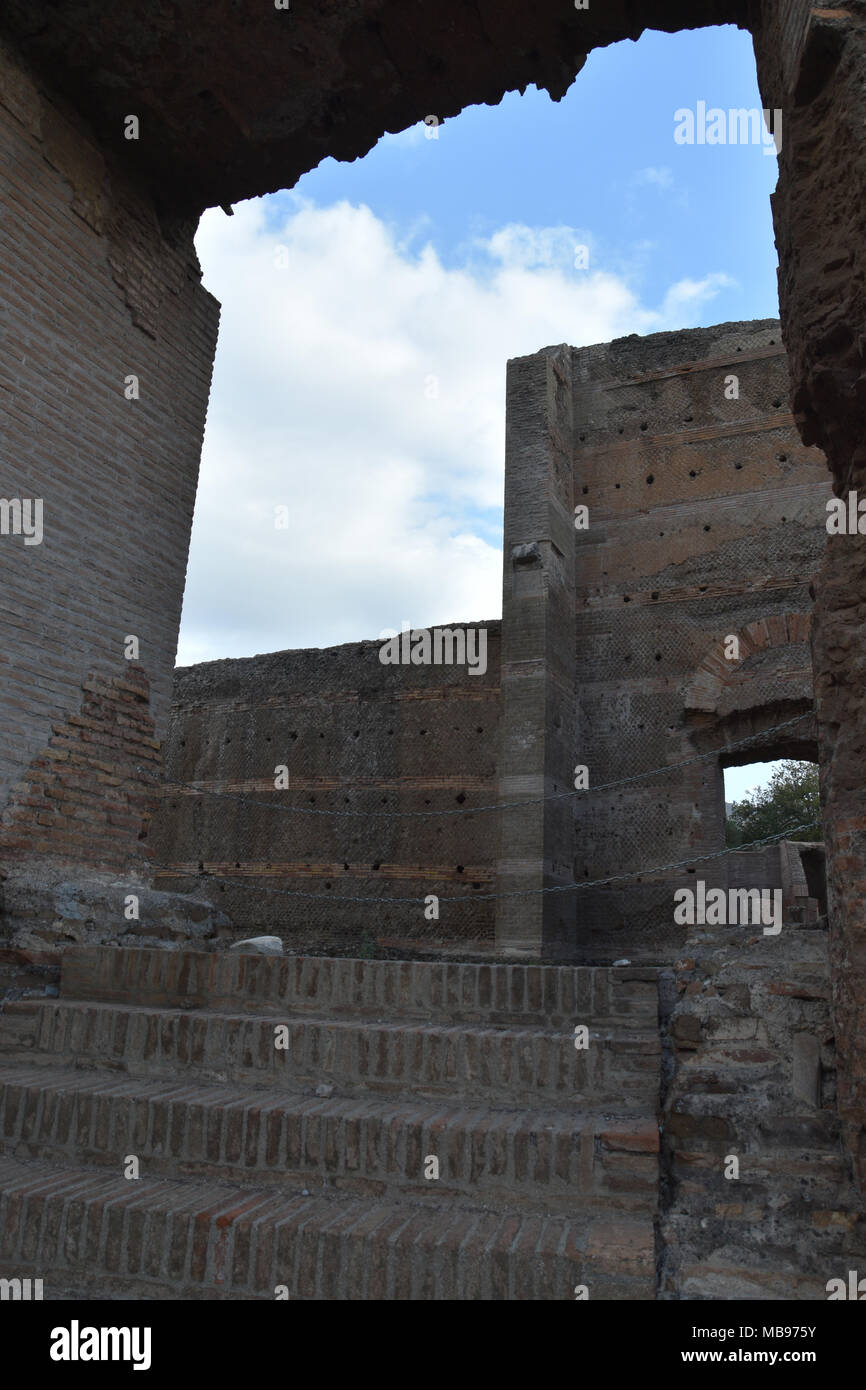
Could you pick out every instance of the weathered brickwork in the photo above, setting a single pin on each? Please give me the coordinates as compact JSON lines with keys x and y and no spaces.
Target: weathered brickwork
{"x":95,"y":290}
{"x":706,"y":522}
{"x":309,"y":1165}
{"x":91,"y":793}
{"x":810,"y":60}
{"x":753,"y":1078}
{"x":100,"y":281}
{"x":536,"y":844}
{"x":553,"y":1162}
{"x":355,"y":735}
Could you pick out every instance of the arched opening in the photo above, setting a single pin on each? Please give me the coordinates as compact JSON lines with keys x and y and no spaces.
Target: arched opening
{"x":372,"y":311}
{"x":771,"y":798}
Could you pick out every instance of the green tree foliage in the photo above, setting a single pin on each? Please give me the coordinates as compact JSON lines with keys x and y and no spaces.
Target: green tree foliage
{"x":790,"y":799}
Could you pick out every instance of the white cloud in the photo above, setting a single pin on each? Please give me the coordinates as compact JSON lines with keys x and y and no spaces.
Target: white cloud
{"x":661,"y":178}
{"x":363,"y":387}
{"x":532,"y":248}
{"x":687,"y":297}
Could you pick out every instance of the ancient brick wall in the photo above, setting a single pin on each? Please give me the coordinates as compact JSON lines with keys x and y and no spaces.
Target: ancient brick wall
{"x":90,"y":794}
{"x":221,"y":129}
{"x":96,"y":290}
{"x":706,"y":521}
{"x":355,"y":735}
{"x":816,"y":70}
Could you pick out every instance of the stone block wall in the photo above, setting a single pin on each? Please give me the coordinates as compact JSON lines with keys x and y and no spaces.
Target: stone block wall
{"x":364,"y":743}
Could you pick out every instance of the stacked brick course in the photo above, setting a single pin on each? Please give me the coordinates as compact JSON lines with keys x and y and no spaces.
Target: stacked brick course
{"x":308,"y":1166}
{"x":754,"y":1079}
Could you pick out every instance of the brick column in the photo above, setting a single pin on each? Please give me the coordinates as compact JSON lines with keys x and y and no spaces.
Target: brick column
{"x":538,"y":657}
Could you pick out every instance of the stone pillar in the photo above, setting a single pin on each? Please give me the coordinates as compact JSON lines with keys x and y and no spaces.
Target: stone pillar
{"x":538,"y":659}
{"x":812,"y":65}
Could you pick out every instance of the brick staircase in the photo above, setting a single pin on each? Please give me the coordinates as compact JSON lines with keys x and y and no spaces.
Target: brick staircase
{"x":304,"y":1168}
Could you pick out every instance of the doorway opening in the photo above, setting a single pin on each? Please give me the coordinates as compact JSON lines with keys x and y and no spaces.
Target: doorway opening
{"x":768,"y":799}
{"x":773,"y":823}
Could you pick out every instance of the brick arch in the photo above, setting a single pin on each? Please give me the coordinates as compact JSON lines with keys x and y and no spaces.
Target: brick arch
{"x":716,"y":673}
{"x":237,"y":101}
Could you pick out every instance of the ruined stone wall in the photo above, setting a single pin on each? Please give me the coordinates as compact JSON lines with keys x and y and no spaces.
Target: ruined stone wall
{"x":357,"y":736}
{"x":95,"y":290}
{"x":293,"y":90}
{"x":706,"y":520}
{"x":816,"y":70}
{"x":755,"y":1195}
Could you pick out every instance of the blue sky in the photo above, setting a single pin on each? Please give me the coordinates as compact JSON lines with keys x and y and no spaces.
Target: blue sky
{"x":368,"y":314}
{"x":603,"y":160}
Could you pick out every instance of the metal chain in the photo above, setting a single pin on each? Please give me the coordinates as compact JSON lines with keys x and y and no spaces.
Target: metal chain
{"x":493,"y":806}
{"x":481,"y":897}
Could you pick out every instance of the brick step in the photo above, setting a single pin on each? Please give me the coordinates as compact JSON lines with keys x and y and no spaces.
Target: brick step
{"x":233,"y":982}
{"x":18,"y":1020}
{"x":515,"y":1065}
{"x":562,"y":1161}
{"x":97,"y":1236}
